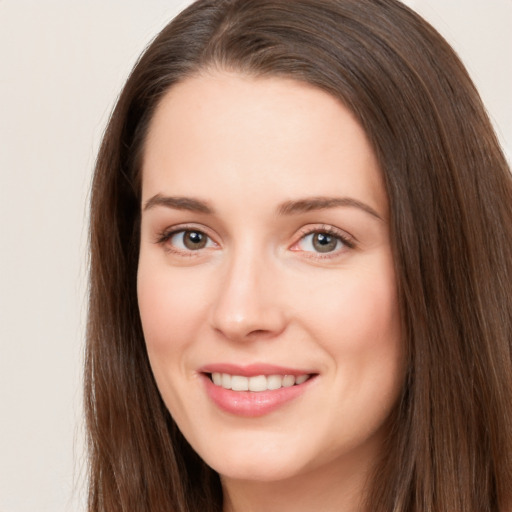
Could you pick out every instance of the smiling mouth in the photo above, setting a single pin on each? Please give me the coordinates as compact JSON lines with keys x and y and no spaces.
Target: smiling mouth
{"x":257,"y":383}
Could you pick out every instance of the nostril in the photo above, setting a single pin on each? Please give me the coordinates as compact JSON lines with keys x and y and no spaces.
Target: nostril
{"x":258,"y":333}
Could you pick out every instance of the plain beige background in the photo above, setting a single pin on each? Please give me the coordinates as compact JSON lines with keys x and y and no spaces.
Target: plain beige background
{"x":62,"y":64}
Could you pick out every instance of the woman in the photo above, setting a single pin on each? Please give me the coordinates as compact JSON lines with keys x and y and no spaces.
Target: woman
{"x":300,"y":265}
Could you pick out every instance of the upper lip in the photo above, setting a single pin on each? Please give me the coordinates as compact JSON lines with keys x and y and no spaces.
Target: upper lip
{"x":252,"y":370}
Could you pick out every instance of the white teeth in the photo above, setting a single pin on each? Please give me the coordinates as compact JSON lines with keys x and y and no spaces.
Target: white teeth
{"x":288,"y":381}
{"x":226,"y":381}
{"x":274,"y":381}
{"x":239,"y":383}
{"x":301,"y":378}
{"x":258,"y":382}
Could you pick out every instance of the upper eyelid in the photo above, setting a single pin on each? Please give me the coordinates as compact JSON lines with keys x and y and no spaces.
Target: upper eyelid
{"x":325,"y":228}
{"x":168,"y":232}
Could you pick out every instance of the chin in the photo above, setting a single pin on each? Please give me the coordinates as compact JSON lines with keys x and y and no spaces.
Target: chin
{"x":257,"y":471}
{"x":254,"y":463}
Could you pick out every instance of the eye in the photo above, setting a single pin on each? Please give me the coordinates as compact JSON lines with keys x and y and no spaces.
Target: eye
{"x":189,"y":240}
{"x":323,"y":241}
{"x":319,"y":242}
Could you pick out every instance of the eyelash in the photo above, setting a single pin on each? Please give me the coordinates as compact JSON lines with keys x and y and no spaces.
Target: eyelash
{"x":346,"y":240}
{"x":164,"y":236}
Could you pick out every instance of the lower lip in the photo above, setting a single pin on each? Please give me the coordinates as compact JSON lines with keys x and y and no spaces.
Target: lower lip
{"x":251,"y":404}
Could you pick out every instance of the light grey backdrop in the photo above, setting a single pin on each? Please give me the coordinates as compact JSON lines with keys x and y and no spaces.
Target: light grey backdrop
{"x":62,"y":63}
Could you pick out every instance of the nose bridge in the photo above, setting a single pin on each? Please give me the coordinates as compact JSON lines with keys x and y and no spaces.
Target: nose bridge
{"x":246,"y":304}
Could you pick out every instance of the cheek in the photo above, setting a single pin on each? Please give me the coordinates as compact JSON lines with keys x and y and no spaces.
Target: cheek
{"x":170,"y":313}
{"x":355,"y":312}
{"x":358,"y":326}
{"x":361,"y":332}
{"x":170,"y":308}
{"x":371,"y":314}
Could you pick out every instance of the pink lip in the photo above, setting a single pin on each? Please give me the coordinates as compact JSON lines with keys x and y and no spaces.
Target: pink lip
{"x":250,"y":403}
{"x":252,"y":370}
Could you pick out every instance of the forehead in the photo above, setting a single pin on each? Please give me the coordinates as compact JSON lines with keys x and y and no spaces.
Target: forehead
{"x":264,"y":136}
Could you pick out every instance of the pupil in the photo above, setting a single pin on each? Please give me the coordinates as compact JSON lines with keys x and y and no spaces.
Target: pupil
{"x":194,"y":240}
{"x":324,"y":243}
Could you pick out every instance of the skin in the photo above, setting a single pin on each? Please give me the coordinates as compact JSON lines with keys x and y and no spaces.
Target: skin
{"x":259,"y":290}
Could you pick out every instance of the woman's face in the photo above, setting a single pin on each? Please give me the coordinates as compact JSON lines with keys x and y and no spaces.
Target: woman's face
{"x":266,"y":267}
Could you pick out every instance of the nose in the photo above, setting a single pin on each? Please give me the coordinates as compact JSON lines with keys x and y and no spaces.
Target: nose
{"x":247,"y":305}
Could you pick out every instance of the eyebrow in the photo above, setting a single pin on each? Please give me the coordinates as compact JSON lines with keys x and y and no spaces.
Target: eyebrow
{"x":293,"y":207}
{"x":179,"y":203}
{"x":321,"y":203}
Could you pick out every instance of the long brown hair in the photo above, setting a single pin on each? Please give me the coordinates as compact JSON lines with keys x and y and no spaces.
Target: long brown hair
{"x":450,"y":193}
